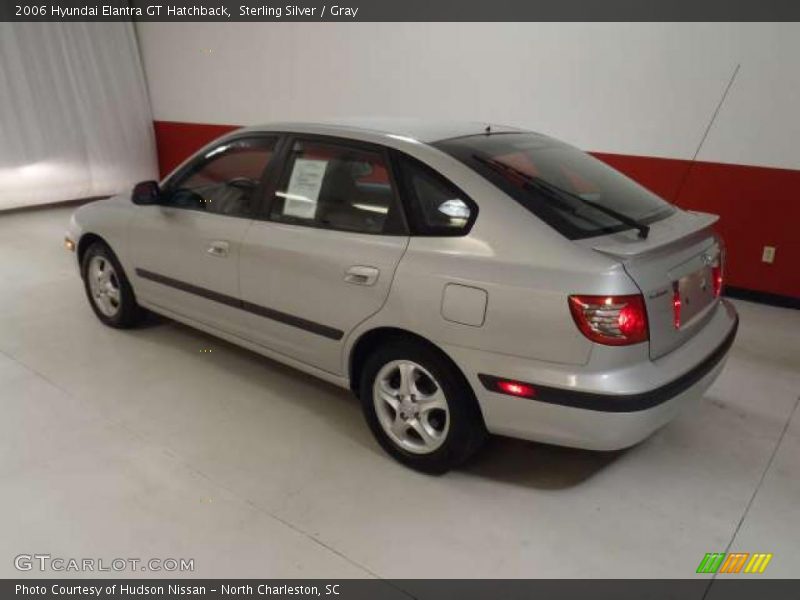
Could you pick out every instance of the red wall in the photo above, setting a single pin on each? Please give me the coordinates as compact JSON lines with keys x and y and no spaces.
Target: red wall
{"x":758,"y":206}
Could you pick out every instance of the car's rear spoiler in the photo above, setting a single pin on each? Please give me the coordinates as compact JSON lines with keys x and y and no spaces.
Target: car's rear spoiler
{"x":627,"y":244}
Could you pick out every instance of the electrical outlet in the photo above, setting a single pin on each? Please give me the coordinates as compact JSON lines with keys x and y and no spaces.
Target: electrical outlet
{"x":768,"y":255}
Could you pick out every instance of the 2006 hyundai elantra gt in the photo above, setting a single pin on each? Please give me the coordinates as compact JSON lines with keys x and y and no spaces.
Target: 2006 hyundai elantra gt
{"x":461,"y":279}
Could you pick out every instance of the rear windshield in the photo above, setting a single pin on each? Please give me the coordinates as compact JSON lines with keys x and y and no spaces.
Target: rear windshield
{"x":566,"y":188}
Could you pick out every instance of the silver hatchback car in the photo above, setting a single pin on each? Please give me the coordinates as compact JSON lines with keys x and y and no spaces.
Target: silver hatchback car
{"x":462,"y":279}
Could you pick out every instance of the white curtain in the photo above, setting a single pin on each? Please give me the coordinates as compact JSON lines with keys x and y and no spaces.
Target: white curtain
{"x":75,"y":116}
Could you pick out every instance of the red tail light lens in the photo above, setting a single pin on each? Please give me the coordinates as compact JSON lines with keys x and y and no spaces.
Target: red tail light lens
{"x":611,"y":320}
{"x":676,"y":305}
{"x":716,"y":274}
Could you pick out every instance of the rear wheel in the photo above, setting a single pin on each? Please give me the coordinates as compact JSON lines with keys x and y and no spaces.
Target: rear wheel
{"x":420,"y":408}
{"x":108,"y":289}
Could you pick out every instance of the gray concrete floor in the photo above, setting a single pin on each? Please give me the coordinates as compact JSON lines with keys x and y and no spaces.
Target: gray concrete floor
{"x":136,"y":444}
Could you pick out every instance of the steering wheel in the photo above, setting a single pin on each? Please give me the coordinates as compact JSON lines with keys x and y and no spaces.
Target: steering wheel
{"x":242,"y":183}
{"x":186,"y":198}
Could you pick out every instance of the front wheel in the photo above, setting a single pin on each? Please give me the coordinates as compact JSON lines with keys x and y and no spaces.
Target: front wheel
{"x":108,"y":289}
{"x":420,"y":407}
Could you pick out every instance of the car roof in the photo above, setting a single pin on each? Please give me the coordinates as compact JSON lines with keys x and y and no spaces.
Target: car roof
{"x":418,"y":130}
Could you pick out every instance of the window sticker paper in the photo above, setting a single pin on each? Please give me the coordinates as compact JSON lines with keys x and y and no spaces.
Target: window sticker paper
{"x":300,"y":199}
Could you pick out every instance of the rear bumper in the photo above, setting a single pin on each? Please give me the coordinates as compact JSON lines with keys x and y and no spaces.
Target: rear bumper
{"x":606,"y":408}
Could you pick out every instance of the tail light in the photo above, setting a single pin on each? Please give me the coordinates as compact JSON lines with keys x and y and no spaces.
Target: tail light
{"x":611,"y":320}
{"x":676,"y":305}
{"x":717,"y":273}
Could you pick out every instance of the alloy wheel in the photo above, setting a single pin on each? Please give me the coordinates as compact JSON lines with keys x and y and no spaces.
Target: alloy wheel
{"x":411,"y":406}
{"x":104,"y":285}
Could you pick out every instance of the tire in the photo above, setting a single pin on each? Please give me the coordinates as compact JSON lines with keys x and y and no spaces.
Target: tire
{"x":433,"y":425}
{"x":107,"y":288}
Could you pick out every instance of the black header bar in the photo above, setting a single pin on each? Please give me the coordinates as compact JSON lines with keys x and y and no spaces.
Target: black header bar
{"x":400,"y":10}
{"x":703,"y":587}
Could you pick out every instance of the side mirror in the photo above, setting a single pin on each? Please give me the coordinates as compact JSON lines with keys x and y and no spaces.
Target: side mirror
{"x":146,"y":192}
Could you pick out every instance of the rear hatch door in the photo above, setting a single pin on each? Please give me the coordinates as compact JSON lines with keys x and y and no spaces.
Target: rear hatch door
{"x":675,"y":261}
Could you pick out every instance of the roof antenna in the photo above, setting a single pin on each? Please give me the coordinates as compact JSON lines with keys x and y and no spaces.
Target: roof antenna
{"x":488,"y":130}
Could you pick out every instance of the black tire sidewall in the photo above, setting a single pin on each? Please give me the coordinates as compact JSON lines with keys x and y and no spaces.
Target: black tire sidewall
{"x":129,"y":311}
{"x":467,"y":431}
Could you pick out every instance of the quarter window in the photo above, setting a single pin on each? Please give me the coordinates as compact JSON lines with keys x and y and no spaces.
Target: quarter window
{"x":336,"y":187}
{"x":437,"y":207}
{"x":225,"y":181}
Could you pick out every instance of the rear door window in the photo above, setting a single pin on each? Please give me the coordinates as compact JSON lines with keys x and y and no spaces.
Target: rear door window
{"x":336,"y":186}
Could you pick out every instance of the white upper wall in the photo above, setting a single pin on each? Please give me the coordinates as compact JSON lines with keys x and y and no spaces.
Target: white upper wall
{"x":629,"y":88}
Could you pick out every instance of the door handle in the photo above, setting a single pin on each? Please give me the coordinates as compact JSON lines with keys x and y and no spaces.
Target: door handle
{"x":361,"y":275}
{"x":218,"y":248}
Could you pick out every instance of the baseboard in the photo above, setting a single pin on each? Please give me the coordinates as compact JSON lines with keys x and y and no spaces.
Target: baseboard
{"x":763,"y":297}
{"x":48,"y":205}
